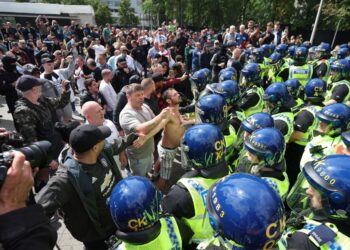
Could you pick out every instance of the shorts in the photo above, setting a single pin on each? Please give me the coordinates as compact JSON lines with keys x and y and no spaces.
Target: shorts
{"x":166,"y":159}
{"x":140,"y":167}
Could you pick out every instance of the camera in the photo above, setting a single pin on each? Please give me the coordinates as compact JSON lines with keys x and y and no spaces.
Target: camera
{"x":316,"y":149}
{"x":13,"y":140}
{"x":36,"y":153}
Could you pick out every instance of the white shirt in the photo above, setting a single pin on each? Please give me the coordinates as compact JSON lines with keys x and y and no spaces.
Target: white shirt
{"x":114,"y":137}
{"x":109,"y":94}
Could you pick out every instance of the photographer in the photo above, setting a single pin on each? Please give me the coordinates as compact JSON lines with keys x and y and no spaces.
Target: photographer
{"x":22,"y":227}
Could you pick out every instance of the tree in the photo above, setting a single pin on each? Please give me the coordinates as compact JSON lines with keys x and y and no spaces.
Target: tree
{"x":103,"y":15}
{"x":335,"y":11}
{"x":127,"y":15}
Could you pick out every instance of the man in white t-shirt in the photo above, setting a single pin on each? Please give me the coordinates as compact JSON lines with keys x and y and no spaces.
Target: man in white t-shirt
{"x":108,"y":92}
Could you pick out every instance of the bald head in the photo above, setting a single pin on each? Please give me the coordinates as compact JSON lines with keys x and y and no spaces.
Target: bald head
{"x":93,"y":113}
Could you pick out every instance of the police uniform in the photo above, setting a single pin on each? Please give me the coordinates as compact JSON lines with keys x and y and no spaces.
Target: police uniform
{"x":302,"y":73}
{"x":252,"y":100}
{"x":305,"y":123}
{"x":284,"y":123}
{"x":186,"y":200}
{"x":340,"y":92}
{"x":321,"y":69}
{"x":281,"y":75}
{"x":316,"y":235}
{"x":321,"y":145}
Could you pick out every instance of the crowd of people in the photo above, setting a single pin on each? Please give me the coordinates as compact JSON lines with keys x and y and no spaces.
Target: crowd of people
{"x":256,"y":120}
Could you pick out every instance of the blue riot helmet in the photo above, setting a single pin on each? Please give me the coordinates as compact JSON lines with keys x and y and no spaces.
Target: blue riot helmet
{"x":211,"y":109}
{"x":339,"y":70}
{"x":294,"y":87}
{"x":267,"y":144}
{"x":275,"y":61}
{"x":258,"y":55}
{"x":134,"y":204}
{"x":323,"y":50}
{"x":300,"y":55}
{"x":204,"y":146}
{"x":282,"y":49}
{"x":276,"y":95}
{"x":253,"y":122}
{"x":336,"y":116}
{"x":272,"y":48}
{"x":229,"y":90}
{"x":250,"y":75}
{"x":306,"y":44}
{"x":236,"y":217}
{"x":344,"y":45}
{"x":266,"y":48}
{"x":315,"y":90}
{"x":228,"y":75}
{"x":201,"y":78}
{"x":275,"y":58}
{"x":291,"y":51}
{"x":324,"y":188}
{"x":342,"y":53}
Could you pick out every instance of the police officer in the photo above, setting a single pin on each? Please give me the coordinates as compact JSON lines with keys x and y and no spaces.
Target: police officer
{"x":201,"y":78}
{"x":245,"y":212}
{"x":295,"y":90}
{"x":252,"y":93}
{"x":278,"y":104}
{"x":229,"y":89}
{"x":300,"y":69}
{"x":135,"y":209}
{"x":204,"y":147}
{"x":249,"y":125}
{"x":265,"y":153}
{"x":214,"y":110}
{"x":338,"y":85}
{"x":321,"y":66}
{"x":278,"y":70}
{"x":321,"y":200}
{"x":333,"y":120}
{"x":305,"y":123}
{"x":258,"y":56}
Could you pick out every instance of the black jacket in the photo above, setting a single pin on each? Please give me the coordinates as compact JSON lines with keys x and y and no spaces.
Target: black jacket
{"x":71,"y":191}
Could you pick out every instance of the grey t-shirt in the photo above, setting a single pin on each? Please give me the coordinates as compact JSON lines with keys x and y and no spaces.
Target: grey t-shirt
{"x":129,"y":118}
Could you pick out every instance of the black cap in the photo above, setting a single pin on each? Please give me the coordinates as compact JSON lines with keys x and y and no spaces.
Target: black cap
{"x":47,"y":59}
{"x":121,"y":59}
{"x":84,"y":137}
{"x":30,"y":69}
{"x":26,"y":82}
{"x":157,"y":77}
{"x":135,"y":79}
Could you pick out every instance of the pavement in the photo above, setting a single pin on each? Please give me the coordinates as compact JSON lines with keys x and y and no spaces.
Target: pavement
{"x":65,"y":240}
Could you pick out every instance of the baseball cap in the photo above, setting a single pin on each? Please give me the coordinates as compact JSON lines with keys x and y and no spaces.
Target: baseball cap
{"x":84,"y":137}
{"x":26,"y":82}
{"x":47,"y":59}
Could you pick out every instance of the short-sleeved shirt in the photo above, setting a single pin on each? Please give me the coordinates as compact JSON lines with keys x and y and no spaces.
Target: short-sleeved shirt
{"x":129,"y":119}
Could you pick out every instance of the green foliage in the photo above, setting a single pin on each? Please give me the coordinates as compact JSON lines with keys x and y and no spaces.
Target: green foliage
{"x":103,"y":15}
{"x":335,"y":11}
{"x":127,"y":15}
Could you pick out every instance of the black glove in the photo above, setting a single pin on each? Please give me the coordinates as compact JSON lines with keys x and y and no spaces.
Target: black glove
{"x":126,"y":142}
